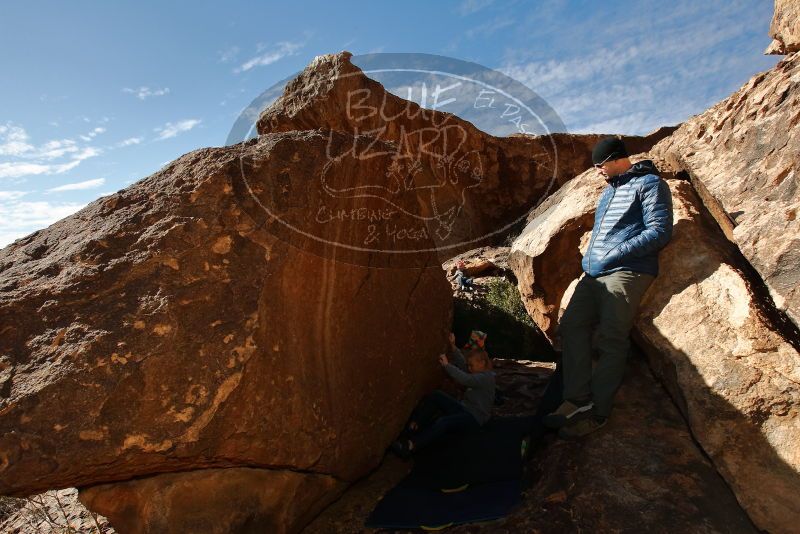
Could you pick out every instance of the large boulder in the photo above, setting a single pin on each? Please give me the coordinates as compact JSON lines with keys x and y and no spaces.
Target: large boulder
{"x":484,"y":184}
{"x":213,"y":501}
{"x":710,"y":333}
{"x":546,"y":256}
{"x":785,"y":28}
{"x":743,"y":157}
{"x":207,"y":317}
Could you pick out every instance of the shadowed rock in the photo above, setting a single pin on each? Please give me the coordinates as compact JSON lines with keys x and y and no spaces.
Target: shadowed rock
{"x":204,"y":317}
{"x":213,"y":501}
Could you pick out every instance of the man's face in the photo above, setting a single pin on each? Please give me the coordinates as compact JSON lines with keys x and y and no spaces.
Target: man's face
{"x":604,"y":168}
{"x":612,"y":168}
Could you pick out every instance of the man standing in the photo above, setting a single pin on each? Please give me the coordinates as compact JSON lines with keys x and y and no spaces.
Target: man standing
{"x":633,"y":221}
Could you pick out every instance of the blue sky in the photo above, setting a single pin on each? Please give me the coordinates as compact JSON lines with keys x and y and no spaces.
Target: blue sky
{"x":97,"y":95}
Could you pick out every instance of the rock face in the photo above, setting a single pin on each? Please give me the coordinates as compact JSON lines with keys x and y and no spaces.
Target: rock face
{"x":546,"y":256}
{"x":713,"y":340}
{"x":483,"y":261}
{"x":710,"y":334}
{"x":213,"y":501}
{"x":785,"y":28}
{"x":743,"y":156}
{"x":483,"y":184}
{"x":206,"y":317}
{"x":643,"y":465}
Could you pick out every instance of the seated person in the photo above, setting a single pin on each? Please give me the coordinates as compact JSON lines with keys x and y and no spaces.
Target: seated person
{"x":463,"y":281}
{"x":469,"y":414}
{"x":477,"y":340}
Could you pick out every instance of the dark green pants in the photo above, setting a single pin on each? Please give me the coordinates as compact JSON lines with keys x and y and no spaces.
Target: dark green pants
{"x":608,"y":303}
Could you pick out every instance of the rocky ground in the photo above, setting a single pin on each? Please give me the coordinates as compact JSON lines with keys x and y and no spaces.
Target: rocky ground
{"x":642,"y":472}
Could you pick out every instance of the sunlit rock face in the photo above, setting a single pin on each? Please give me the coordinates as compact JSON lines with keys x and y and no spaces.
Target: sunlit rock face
{"x":482,"y":185}
{"x":743,"y":157}
{"x":785,"y":28}
{"x":709,"y":329}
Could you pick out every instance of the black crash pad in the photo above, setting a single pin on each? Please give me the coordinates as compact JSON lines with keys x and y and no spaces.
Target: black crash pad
{"x":410,"y":506}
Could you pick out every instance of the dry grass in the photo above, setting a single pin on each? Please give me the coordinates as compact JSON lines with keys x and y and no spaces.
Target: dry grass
{"x":53,"y":512}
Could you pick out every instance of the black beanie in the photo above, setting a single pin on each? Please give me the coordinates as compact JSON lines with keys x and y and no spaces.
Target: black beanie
{"x":608,"y":149}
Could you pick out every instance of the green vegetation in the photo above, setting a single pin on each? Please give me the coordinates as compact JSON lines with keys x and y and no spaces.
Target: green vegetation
{"x":504,"y":296}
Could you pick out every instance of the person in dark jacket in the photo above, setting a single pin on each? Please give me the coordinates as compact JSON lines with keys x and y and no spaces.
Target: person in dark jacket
{"x":466,"y":415}
{"x":633,"y":221}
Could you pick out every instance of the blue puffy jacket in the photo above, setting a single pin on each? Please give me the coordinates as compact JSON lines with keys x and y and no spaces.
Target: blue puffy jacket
{"x":632,"y":223}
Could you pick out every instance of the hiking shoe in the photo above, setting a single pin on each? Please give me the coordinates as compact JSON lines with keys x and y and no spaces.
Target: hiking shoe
{"x":578,"y":429}
{"x":566,"y":414}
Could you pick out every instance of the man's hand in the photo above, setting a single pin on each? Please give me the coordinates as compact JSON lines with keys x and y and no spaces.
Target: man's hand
{"x":443,"y":360}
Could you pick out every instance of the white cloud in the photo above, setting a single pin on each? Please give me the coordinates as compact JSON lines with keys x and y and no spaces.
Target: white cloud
{"x":557,"y":75}
{"x":20,"y":218}
{"x":19,"y":169}
{"x":130,"y":141}
{"x":52,"y":98}
{"x":627,"y":84}
{"x":172,"y":129}
{"x":144,"y":92}
{"x":91,"y":135}
{"x":12,"y":195}
{"x":282,"y":49}
{"x":13,"y":141}
{"x":86,"y":153}
{"x":28,"y":159}
{"x":57,"y":149}
{"x":87,"y":184}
